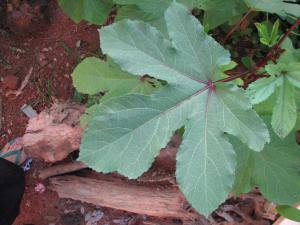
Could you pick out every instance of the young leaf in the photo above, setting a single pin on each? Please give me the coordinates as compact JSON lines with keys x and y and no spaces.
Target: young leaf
{"x":274,"y":33}
{"x":284,"y":77}
{"x":275,"y":169}
{"x":263,"y":33}
{"x":94,"y":11}
{"x":127,"y":132}
{"x":268,"y":33}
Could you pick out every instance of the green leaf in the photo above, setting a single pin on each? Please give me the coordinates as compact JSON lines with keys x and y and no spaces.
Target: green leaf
{"x":126,"y":133}
{"x":280,"y":7}
{"x":157,"y":8}
{"x":148,"y":11}
{"x":262,"y":89}
{"x":275,"y":169}
{"x":94,"y":11}
{"x":265,"y":108}
{"x":221,"y":73}
{"x":134,"y":13}
{"x":284,"y":76}
{"x":93,"y":75}
{"x":157,"y":54}
{"x":285,"y":112}
{"x":218,"y":12}
{"x":263,"y":33}
{"x":274,"y":33}
{"x":148,"y":6}
{"x":289,"y":212}
{"x":268,"y":33}
{"x":86,"y":117}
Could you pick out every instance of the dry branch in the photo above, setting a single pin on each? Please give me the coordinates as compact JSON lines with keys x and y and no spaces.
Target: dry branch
{"x":165,"y":160}
{"x":166,"y":202}
{"x":61,"y":169}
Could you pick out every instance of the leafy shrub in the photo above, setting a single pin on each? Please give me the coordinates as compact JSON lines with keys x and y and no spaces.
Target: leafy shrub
{"x":227,"y":146}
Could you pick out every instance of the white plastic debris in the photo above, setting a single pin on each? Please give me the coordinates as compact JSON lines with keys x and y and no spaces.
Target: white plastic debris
{"x":28,"y":111}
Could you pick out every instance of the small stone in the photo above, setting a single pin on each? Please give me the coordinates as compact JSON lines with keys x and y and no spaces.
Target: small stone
{"x":11,"y":82}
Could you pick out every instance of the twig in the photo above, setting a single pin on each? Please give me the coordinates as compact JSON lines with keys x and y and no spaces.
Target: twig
{"x":61,"y":169}
{"x":23,"y":85}
{"x":236,"y":26}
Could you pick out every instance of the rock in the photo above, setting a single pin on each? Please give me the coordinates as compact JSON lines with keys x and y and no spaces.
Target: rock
{"x":11,"y":82}
{"x":54,"y":133}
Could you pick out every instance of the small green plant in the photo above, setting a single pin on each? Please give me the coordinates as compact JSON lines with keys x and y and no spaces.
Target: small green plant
{"x":268,"y":34}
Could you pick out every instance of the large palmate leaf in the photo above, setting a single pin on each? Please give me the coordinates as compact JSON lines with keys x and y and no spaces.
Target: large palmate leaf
{"x":126,"y":133}
{"x":94,"y":11}
{"x":281,"y":88}
{"x":275,"y":169}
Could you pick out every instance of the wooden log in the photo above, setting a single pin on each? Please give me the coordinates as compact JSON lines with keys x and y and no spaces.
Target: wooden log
{"x":164,"y":202}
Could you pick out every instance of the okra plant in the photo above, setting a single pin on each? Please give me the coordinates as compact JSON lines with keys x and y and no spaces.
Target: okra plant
{"x":164,"y":72}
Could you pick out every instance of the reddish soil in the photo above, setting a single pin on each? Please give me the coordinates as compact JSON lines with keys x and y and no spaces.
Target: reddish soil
{"x":53,"y":51}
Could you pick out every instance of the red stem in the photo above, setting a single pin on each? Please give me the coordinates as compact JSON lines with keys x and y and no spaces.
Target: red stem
{"x":287,"y":33}
{"x":227,"y":79}
{"x":275,"y":51}
{"x":236,"y":26}
{"x":273,"y":54}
